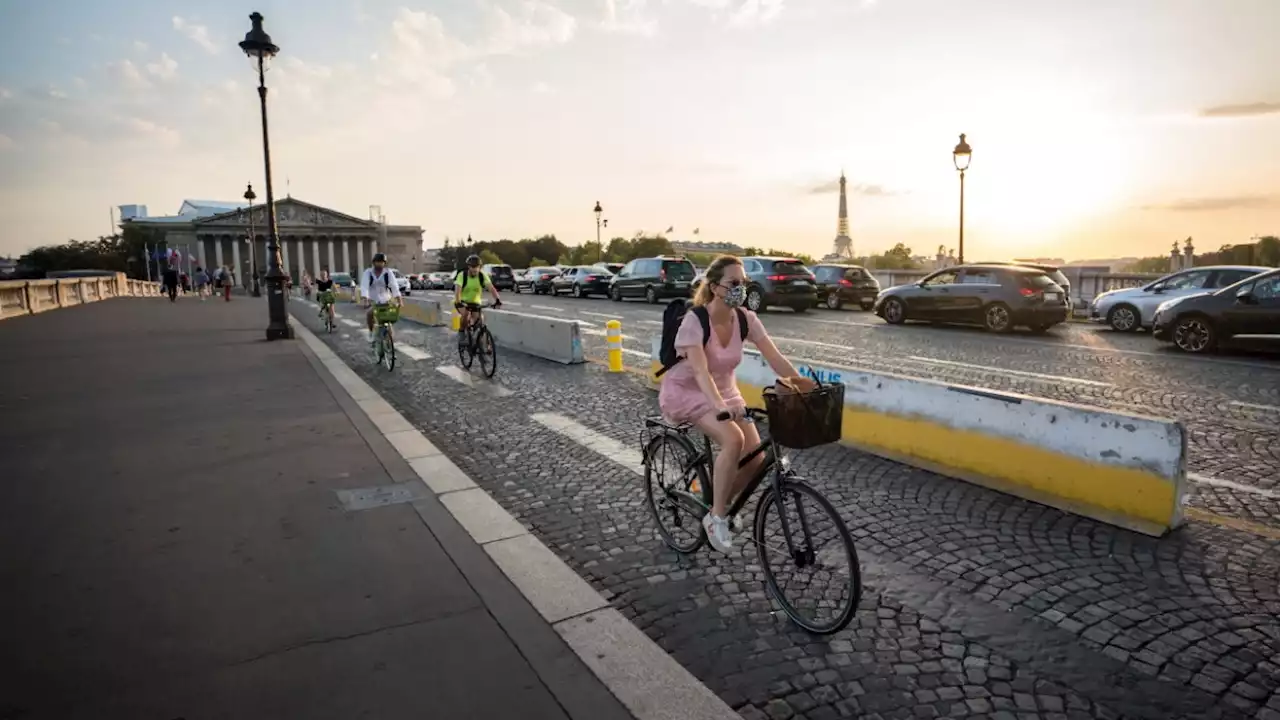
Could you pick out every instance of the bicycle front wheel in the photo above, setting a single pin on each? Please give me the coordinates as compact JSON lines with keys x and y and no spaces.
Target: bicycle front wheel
{"x":671,"y":492}
{"x":808,"y":557}
{"x":466,"y":349}
{"x":389,"y":355}
{"x":487,"y":352}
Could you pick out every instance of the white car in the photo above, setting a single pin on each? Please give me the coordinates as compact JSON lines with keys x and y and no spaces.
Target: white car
{"x":403,"y":282}
{"x":1129,"y":309}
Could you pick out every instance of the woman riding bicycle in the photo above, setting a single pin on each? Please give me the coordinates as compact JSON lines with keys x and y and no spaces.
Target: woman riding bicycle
{"x":324,"y":291}
{"x":698,"y":390}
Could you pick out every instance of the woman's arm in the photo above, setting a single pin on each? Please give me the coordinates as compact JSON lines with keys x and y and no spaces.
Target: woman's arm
{"x":781,"y":366}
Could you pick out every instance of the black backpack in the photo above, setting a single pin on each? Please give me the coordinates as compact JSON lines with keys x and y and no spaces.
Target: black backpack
{"x":462,"y":275}
{"x":672,"y":318}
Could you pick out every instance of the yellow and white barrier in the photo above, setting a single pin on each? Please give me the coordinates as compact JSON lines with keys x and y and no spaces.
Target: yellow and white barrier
{"x":1126,"y":470}
{"x":613,"y":334}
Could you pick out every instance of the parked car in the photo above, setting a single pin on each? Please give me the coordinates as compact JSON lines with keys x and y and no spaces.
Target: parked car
{"x":443,"y":280}
{"x":1130,"y":309}
{"x":403,"y":282}
{"x":582,"y":281}
{"x":779,"y":281}
{"x":840,"y":285}
{"x":501,"y":276}
{"x":1052,"y":271}
{"x":1246,"y":310}
{"x":537,"y":280}
{"x":342,"y":280}
{"x":998,"y":297}
{"x":653,"y":279}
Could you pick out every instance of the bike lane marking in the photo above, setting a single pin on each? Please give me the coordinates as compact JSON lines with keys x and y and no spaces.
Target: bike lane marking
{"x":350,"y":323}
{"x":487,"y":387}
{"x":624,"y":455}
{"x":412,"y":352}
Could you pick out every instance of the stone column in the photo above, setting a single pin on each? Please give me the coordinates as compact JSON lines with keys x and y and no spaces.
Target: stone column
{"x":238,"y":269}
{"x":360,"y":254}
{"x":200,"y":254}
{"x":315,"y":253}
{"x":332,"y":268}
{"x":284,"y":257}
{"x":346,"y":257}
{"x":1175,"y":258}
{"x":217,"y":250}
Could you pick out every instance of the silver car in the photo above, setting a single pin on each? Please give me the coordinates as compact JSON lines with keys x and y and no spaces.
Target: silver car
{"x":1129,"y":309}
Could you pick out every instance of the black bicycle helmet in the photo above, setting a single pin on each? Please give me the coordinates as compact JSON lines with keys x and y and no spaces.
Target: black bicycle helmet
{"x":473,"y":261}
{"x":379,"y":258}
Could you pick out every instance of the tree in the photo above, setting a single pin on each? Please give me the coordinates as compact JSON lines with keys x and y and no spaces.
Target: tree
{"x":489,"y":257}
{"x":618,"y":250}
{"x":592,"y":252}
{"x":538,"y":262}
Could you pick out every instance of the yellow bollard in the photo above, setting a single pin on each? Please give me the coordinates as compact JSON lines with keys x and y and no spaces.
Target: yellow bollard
{"x":613,"y":333}
{"x":456,"y":321}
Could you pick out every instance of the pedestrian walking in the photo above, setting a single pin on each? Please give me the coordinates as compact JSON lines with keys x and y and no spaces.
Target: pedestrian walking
{"x":202,"y":282}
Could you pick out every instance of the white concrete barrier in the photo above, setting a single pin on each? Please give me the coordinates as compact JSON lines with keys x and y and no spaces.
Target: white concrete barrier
{"x":1123,"y":469}
{"x":424,"y":311}
{"x":552,"y":338}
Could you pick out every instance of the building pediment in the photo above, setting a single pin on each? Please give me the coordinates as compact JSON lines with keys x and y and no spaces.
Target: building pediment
{"x":289,"y":212}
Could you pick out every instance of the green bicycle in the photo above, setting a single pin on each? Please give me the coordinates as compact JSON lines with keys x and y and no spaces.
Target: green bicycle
{"x":384,"y":346}
{"x":326,"y":300}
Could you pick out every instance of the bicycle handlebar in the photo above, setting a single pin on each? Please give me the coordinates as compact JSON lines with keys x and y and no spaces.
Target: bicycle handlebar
{"x":753,"y":413}
{"x":475,"y":306}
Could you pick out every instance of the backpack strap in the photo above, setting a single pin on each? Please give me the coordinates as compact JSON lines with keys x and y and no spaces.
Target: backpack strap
{"x":743,"y":328}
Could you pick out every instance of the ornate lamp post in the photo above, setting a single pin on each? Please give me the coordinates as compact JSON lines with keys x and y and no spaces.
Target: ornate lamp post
{"x":249,"y":197}
{"x":258,"y":46}
{"x":599,"y":211}
{"x":961,"y":156}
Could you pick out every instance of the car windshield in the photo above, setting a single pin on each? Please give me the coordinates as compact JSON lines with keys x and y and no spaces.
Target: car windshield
{"x":501,"y":270}
{"x":855,"y":274}
{"x":1039,"y":280}
{"x":597,"y":271}
{"x":678,"y":269}
{"x":341,"y":278}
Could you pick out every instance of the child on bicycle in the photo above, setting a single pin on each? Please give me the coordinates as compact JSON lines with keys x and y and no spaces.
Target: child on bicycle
{"x":466,"y":291}
{"x":324,"y":292}
{"x":702,"y":387}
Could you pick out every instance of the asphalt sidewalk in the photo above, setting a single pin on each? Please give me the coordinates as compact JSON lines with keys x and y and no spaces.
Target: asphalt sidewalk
{"x":200,"y":524}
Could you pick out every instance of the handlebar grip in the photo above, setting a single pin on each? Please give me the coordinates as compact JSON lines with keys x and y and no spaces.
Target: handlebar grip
{"x":723,"y":416}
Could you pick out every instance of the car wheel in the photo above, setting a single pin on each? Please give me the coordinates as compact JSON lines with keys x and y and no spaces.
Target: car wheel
{"x":1195,"y":334}
{"x":615,"y":294}
{"x":1124,"y":318}
{"x":833,"y":301}
{"x":866,"y":307}
{"x":800,"y":308}
{"x":651,"y":296}
{"x":998,"y":318}
{"x":577,"y":291}
{"x":894,"y":311}
{"x":755,"y":300}
{"x":1040,"y":329}
{"x":517,"y":289}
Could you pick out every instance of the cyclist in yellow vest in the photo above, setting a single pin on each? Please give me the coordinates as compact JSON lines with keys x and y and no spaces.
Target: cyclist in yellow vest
{"x":467,"y":288}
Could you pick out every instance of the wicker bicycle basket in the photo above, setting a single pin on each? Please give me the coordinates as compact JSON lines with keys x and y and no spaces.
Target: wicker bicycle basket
{"x":389,"y":314}
{"x":805,"y":419}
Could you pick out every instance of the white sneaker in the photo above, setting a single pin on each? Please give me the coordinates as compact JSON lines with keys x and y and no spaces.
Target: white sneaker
{"x":718,"y":532}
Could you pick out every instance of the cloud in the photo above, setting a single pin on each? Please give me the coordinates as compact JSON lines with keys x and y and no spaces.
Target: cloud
{"x":533,"y":24}
{"x":830,"y":187}
{"x":5,"y":93}
{"x":1215,"y":204}
{"x":199,"y":34}
{"x":140,"y":46}
{"x":154,"y":132}
{"x":166,"y":68}
{"x":627,"y":17}
{"x":756,"y":12}
{"x":481,"y":76}
{"x":129,"y":75}
{"x":57,"y":94}
{"x":7,"y":143}
{"x":540,"y":88}
{"x":1244,"y":110}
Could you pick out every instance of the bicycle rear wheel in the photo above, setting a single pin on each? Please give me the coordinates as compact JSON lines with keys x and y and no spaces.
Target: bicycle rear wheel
{"x":817,"y":582}
{"x":486,"y":351}
{"x":389,"y":356}
{"x":670,"y":491}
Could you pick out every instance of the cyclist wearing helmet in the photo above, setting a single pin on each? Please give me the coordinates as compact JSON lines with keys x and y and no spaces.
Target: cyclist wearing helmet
{"x":466,"y":291}
{"x":378,"y":286}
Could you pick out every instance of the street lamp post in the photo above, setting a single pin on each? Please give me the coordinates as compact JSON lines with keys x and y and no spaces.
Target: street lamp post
{"x":258,"y":46}
{"x":599,"y":211}
{"x":249,"y":196}
{"x":961,"y":156}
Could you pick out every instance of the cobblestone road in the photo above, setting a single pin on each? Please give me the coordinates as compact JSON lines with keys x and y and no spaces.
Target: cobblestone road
{"x":1229,"y":404}
{"x":976,"y":604}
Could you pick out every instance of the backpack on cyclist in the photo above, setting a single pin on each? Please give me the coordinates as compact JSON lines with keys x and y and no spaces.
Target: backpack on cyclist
{"x":462,"y":279}
{"x":673,"y":317}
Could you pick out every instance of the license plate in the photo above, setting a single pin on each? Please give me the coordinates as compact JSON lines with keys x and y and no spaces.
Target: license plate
{"x":800,"y":282}
{"x":682,"y":284}
{"x":1051,"y":297}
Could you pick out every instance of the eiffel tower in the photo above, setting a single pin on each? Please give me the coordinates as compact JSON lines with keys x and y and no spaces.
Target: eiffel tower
{"x":843,"y":247}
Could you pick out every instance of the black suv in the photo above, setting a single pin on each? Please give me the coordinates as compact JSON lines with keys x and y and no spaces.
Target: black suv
{"x":1248,"y":310}
{"x":840,"y":285}
{"x":778,"y":281}
{"x":501,"y":275}
{"x":653,"y":279}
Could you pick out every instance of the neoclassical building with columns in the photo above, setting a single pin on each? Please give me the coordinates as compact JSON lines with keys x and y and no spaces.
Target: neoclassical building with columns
{"x":311,"y":237}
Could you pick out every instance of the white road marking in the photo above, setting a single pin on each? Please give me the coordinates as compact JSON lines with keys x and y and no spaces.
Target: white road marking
{"x":603,"y":315}
{"x":648,"y":322}
{"x":625,"y":455}
{"x":1255,"y":406}
{"x":596,"y":332}
{"x":412,"y":352}
{"x":546,"y":307}
{"x":351,"y":323}
{"x":847,"y":324}
{"x":637,"y":353}
{"x":1003,"y":371}
{"x":1230,"y":485}
{"x":488,"y":387}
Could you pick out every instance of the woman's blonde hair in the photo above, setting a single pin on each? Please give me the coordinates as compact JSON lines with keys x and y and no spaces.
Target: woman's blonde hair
{"x":713,"y":276}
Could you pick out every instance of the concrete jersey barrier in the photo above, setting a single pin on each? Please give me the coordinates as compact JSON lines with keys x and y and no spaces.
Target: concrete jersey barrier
{"x":423,"y":311}
{"x":551,"y":338}
{"x":1122,"y":469}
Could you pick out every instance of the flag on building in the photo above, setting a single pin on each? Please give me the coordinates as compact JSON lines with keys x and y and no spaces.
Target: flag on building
{"x":671,"y":229}
{"x":695,"y":231}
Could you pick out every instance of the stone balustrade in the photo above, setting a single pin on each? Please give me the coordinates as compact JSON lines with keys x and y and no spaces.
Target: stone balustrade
{"x":27,"y":297}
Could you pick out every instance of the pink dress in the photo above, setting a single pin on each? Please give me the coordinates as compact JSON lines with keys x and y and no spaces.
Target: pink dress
{"x":680,"y":398}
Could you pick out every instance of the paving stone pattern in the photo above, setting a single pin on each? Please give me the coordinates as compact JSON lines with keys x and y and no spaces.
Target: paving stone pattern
{"x":975,"y":604}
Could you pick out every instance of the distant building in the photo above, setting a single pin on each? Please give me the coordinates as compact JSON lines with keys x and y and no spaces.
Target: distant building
{"x":214,"y":233}
{"x":8,"y":267}
{"x":682,"y":246}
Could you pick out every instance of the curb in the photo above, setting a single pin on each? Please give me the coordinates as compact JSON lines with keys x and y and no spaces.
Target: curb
{"x":643,"y":676}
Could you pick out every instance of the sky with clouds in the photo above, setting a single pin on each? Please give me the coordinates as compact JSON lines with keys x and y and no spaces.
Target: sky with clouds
{"x":1100,"y":128}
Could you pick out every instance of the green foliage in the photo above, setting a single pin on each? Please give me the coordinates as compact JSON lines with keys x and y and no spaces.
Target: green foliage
{"x":1265,"y":252}
{"x":538,"y":262}
{"x":123,"y":253}
{"x":489,"y":257}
